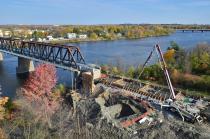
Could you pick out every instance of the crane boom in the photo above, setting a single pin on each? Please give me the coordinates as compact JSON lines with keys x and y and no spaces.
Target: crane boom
{"x":164,"y":68}
{"x":166,"y":72}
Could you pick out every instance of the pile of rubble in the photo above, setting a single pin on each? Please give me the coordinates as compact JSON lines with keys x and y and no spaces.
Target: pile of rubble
{"x":115,"y":113}
{"x":188,"y":108}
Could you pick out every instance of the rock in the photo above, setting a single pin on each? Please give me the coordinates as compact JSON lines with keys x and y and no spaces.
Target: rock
{"x":206,"y":113}
{"x":101,"y":101}
{"x":88,"y":110}
{"x":112,"y":112}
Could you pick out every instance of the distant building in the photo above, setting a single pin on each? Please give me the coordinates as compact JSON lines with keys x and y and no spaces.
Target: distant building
{"x":32,"y":39}
{"x":71,"y":35}
{"x":119,"y":35}
{"x":1,"y":33}
{"x":50,"y":38}
{"x":7,"y":33}
{"x":39,"y":40}
{"x":36,"y":30}
{"x":44,"y":40}
{"x":82,"y":36}
{"x":30,"y":32}
{"x":103,"y":33}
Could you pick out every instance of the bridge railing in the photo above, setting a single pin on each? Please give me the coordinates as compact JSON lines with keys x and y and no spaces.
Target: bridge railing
{"x":55,"y":53}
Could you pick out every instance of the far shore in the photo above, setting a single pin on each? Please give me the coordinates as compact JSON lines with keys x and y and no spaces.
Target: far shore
{"x":64,"y":41}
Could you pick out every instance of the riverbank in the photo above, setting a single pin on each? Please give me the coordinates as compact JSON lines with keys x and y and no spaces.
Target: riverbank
{"x":64,"y":41}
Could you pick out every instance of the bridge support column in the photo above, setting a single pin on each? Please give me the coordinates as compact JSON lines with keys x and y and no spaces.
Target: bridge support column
{"x":24,"y":65}
{"x":76,"y":80}
{"x":1,"y":57}
{"x":84,"y":79}
{"x":87,"y":83}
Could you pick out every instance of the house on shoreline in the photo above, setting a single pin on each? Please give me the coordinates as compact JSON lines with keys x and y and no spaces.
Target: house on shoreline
{"x":1,"y":33}
{"x":71,"y":35}
{"x":82,"y":36}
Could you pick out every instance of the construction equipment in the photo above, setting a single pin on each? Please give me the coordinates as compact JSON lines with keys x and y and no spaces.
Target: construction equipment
{"x":186,"y":111}
{"x":163,"y":66}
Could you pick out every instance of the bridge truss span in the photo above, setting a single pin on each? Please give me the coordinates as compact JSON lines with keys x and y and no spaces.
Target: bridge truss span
{"x":69,"y":57}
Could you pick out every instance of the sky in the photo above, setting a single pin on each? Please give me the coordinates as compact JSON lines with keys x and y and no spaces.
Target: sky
{"x":104,"y":11}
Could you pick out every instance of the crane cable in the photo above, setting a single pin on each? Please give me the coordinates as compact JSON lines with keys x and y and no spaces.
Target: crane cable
{"x":163,"y":67}
{"x":146,"y":62}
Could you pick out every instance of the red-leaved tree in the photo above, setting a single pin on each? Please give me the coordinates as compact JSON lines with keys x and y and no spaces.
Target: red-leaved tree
{"x":38,"y":91}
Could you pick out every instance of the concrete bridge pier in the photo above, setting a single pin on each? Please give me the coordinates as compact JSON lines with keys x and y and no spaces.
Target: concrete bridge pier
{"x":1,"y":57}
{"x":83,"y":80}
{"x":87,"y":79}
{"x":24,"y":66}
{"x":76,"y":79}
{"x":87,"y":83}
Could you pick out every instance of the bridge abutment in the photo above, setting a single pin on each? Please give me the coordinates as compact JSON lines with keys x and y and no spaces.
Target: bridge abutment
{"x":1,"y":57}
{"x":24,"y":65}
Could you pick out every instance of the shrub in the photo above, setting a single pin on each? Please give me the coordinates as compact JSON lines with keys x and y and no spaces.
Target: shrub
{"x":130,"y":72}
{"x":38,"y":91}
{"x":59,"y":89}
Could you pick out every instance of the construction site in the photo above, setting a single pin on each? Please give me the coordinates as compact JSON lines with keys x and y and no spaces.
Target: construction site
{"x":118,"y":107}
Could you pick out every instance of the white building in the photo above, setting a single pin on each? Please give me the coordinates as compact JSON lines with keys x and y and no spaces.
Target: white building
{"x":50,"y":38}
{"x":30,"y":32}
{"x":1,"y":33}
{"x":32,"y":39}
{"x":83,"y":36}
{"x":119,"y":35}
{"x":39,"y":40}
{"x":44,"y":40}
{"x":7,"y":33}
{"x":71,"y":35}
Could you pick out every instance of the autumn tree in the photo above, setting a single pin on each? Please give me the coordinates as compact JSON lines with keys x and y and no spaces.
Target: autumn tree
{"x":169,"y":55}
{"x":200,"y":59}
{"x":93,"y":36}
{"x":38,"y":91}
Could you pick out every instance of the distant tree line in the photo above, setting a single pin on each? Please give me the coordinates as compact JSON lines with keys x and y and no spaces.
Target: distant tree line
{"x":111,"y":32}
{"x":94,"y":32}
{"x":100,"y":32}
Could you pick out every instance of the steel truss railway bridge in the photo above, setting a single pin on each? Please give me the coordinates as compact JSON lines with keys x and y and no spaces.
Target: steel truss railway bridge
{"x":62,"y":56}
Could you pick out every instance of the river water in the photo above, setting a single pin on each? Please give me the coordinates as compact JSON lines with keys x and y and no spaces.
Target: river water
{"x":128,"y":52}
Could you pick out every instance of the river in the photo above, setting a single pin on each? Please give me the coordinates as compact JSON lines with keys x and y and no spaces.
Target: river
{"x":128,"y":52}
